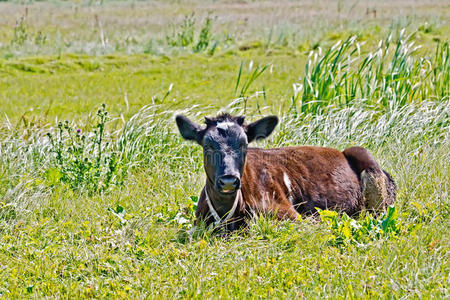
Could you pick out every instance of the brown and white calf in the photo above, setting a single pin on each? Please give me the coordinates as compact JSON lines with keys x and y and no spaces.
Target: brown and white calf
{"x":242,"y":181}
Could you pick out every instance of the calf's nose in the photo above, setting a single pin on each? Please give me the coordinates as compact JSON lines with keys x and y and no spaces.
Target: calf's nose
{"x":228,"y":183}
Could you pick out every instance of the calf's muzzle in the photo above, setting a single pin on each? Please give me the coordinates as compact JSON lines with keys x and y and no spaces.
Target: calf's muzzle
{"x":228,"y":183}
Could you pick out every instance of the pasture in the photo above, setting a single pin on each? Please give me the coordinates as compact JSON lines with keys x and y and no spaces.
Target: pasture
{"x":98,"y":190}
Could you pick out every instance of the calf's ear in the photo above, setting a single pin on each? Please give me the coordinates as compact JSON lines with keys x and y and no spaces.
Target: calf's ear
{"x":261,"y":128}
{"x":189,"y":130}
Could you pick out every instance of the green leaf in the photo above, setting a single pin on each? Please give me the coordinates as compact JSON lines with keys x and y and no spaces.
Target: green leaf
{"x":119,"y":209}
{"x":53,"y":176}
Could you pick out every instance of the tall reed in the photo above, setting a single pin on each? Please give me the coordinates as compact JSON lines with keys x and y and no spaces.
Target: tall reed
{"x":393,"y":74}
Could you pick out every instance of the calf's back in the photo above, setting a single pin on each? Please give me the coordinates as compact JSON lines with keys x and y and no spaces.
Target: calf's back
{"x":302,"y":177}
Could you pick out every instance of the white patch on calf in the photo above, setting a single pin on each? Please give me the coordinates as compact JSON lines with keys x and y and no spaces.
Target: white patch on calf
{"x":264,"y":200}
{"x":224,"y":125}
{"x":288,"y":184}
{"x":291,"y":199}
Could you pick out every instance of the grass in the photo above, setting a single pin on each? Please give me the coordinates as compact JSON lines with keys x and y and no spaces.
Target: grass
{"x":107,"y":208}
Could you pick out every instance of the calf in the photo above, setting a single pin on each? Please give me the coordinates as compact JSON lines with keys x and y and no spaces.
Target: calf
{"x":242,"y":182}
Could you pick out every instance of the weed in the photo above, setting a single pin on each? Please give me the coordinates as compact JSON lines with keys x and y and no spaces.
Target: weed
{"x":347,"y":231}
{"x":184,"y":35}
{"x":205,"y":36}
{"x":20,"y":31}
{"x":85,"y":160}
{"x":40,"y":39}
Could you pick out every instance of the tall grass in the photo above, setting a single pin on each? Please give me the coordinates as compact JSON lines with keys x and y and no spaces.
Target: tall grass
{"x":394,"y":74}
{"x":147,"y":140}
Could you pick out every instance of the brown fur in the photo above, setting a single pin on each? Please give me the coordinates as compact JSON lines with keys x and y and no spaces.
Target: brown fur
{"x":377,"y":186}
{"x":319,"y":177}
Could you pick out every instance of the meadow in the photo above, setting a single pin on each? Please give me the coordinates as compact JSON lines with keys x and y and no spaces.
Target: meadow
{"x":98,"y":190}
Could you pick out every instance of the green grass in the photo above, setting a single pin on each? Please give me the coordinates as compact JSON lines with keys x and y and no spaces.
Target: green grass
{"x":140,"y":79}
{"x":77,"y":223}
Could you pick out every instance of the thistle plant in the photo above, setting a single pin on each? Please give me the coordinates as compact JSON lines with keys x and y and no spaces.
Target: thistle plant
{"x":85,"y":160}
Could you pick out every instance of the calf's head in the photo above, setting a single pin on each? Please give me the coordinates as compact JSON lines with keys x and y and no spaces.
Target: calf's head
{"x":224,"y":140}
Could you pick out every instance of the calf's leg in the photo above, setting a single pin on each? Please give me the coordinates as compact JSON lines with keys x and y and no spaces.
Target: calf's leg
{"x":286,"y":212}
